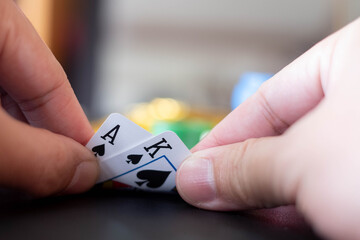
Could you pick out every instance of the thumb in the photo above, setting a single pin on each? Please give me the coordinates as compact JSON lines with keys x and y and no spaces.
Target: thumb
{"x":41,"y":162}
{"x":246,"y":175}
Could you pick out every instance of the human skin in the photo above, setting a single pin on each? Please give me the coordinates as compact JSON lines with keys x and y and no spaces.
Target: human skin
{"x":43,"y":127}
{"x":294,"y":142}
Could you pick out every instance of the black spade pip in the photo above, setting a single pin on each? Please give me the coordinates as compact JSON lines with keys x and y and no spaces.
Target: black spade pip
{"x":99,"y":150}
{"x":152,"y":178}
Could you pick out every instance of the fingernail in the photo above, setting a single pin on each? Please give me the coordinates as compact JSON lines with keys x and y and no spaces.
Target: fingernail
{"x":85,"y":176}
{"x":195,"y":181}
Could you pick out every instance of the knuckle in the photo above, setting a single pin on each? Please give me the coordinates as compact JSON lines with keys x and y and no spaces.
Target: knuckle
{"x":272,"y":118}
{"x":43,"y":98}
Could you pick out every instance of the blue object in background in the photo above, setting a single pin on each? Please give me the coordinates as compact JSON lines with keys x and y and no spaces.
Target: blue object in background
{"x":248,"y":84}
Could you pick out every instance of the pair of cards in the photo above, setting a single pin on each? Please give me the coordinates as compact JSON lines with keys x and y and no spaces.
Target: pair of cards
{"x":129,"y":154}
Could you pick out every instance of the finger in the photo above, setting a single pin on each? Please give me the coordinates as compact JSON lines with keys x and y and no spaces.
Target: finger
{"x":308,"y":167}
{"x":41,"y":162}
{"x":239,"y":176}
{"x":280,"y":101}
{"x":32,"y":76}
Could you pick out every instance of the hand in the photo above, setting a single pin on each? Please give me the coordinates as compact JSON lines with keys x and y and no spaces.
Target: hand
{"x":42,"y":125}
{"x":296,"y":141}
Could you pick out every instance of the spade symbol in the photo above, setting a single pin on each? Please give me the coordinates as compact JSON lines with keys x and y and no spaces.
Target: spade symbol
{"x":134,"y":158}
{"x":99,"y":150}
{"x":153,"y":178}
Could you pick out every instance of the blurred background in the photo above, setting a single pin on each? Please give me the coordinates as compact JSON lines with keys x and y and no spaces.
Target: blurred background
{"x":122,"y":54}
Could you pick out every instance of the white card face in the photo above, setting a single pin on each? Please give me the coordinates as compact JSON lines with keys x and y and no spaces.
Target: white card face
{"x":116,"y":135}
{"x":160,"y":155}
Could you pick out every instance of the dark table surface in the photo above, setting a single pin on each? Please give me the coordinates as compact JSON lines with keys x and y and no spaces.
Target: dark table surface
{"x":114,"y":214}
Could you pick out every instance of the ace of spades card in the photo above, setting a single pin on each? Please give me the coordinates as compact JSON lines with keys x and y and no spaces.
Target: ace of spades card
{"x":115,"y":135}
{"x":150,"y":166}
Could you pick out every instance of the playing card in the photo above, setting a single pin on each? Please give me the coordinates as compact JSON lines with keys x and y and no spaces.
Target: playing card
{"x":160,"y":156}
{"x":115,"y":135}
{"x":156,"y":175}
